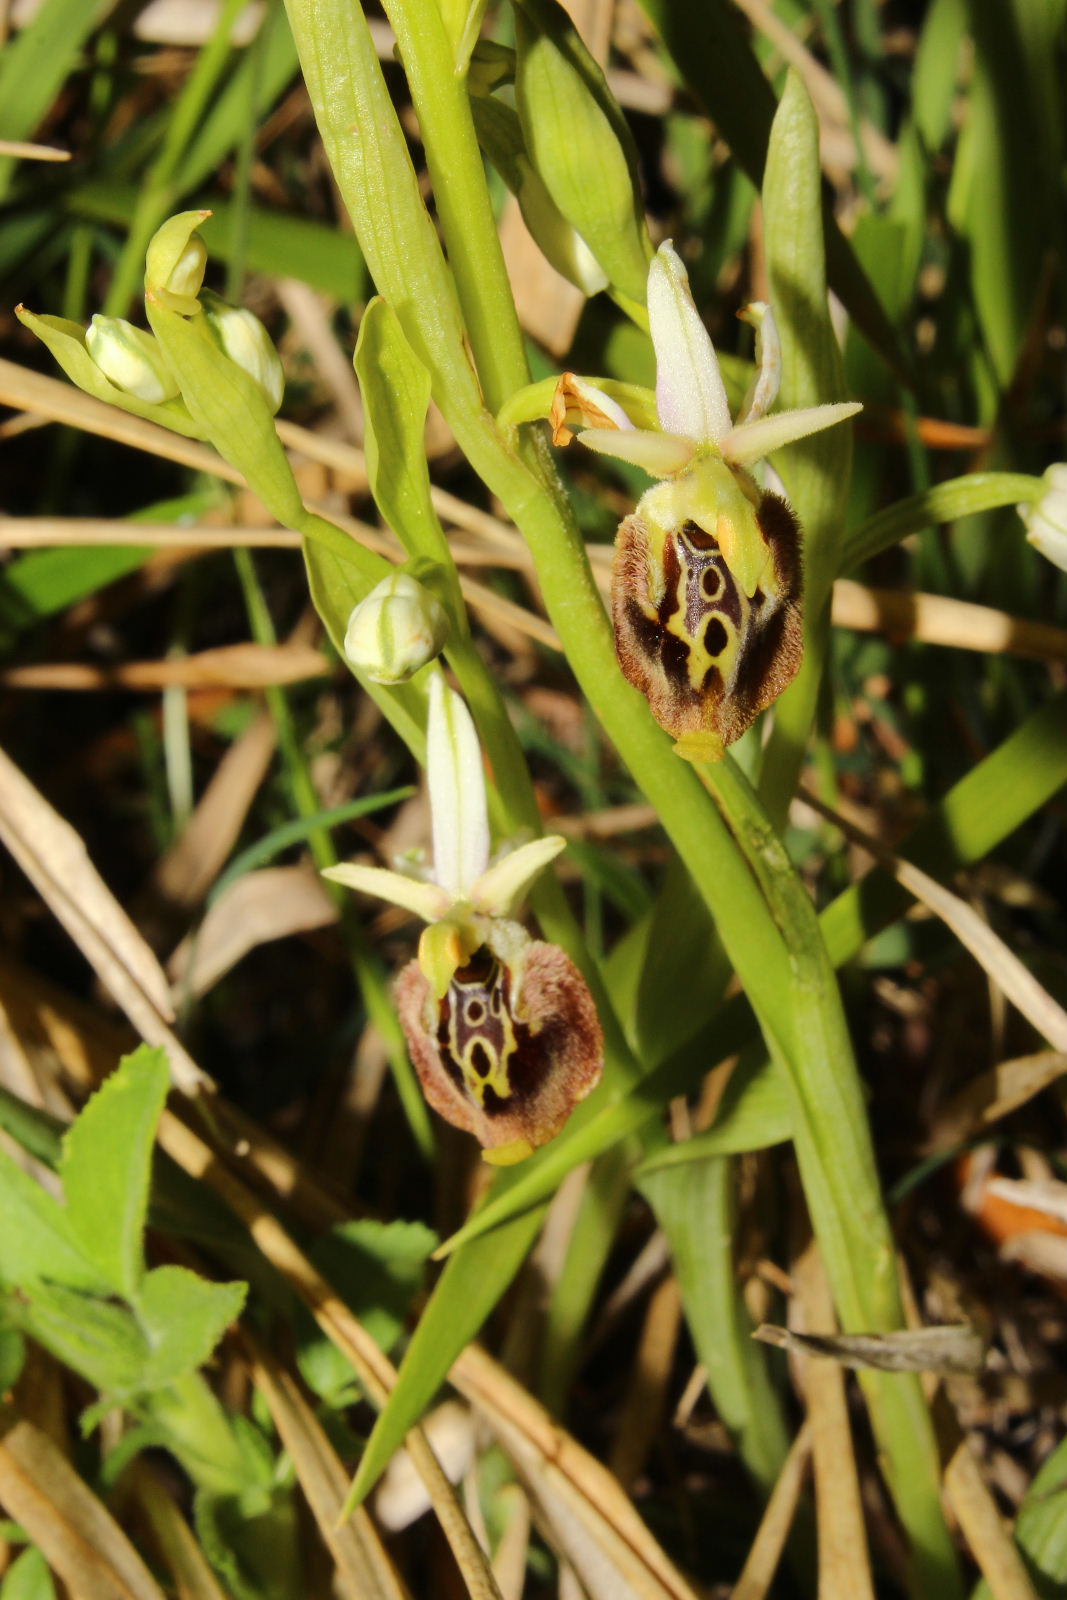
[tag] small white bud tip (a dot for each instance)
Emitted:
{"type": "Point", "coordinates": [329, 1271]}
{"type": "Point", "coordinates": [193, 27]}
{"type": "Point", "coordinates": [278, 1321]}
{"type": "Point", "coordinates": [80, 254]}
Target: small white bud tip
{"type": "Point", "coordinates": [1046, 519]}
{"type": "Point", "coordinates": [399, 628]}
{"type": "Point", "coordinates": [130, 358]}
{"type": "Point", "coordinates": [248, 344]}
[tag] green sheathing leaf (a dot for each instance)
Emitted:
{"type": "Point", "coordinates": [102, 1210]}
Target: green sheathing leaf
{"type": "Point", "coordinates": [107, 1164]}
{"type": "Point", "coordinates": [183, 1317]}
{"type": "Point", "coordinates": [694, 1207]}
{"type": "Point", "coordinates": [815, 470]}
{"type": "Point", "coordinates": [754, 1113]}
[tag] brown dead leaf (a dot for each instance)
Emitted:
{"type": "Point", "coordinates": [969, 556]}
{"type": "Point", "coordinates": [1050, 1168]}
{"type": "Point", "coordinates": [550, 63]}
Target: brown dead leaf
{"type": "Point", "coordinates": [269, 904]}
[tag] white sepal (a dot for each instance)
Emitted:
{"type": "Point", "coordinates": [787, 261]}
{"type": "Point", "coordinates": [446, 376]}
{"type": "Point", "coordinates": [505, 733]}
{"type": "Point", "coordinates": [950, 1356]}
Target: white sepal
{"type": "Point", "coordinates": [750, 441]}
{"type": "Point", "coordinates": [690, 395]}
{"type": "Point", "coordinates": [457, 793]}
{"type": "Point", "coordinates": [504, 884]}
{"type": "Point", "coordinates": [661, 454]}
{"type": "Point", "coordinates": [426, 900]}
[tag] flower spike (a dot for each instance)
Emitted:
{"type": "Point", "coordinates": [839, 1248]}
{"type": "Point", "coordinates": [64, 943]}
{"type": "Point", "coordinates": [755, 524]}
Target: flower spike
{"type": "Point", "coordinates": [501, 1028]}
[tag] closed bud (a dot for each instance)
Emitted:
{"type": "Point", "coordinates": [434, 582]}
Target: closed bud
{"type": "Point", "coordinates": [398, 629]}
{"type": "Point", "coordinates": [176, 261]}
{"type": "Point", "coordinates": [130, 358]}
{"type": "Point", "coordinates": [246, 341]}
{"type": "Point", "coordinates": [1046, 519]}
{"type": "Point", "coordinates": [579, 144]}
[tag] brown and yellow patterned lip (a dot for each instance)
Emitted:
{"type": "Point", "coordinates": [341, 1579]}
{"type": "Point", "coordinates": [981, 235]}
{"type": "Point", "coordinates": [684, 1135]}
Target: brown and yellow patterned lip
{"type": "Point", "coordinates": [510, 1050]}
{"type": "Point", "coordinates": [706, 656]}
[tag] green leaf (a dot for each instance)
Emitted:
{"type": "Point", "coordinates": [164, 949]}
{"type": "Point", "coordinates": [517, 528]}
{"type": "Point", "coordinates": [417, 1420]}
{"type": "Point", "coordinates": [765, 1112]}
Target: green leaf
{"type": "Point", "coordinates": [107, 1165]}
{"type": "Point", "coordinates": [97, 1338]}
{"type": "Point", "coordinates": [466, 1292]}
{"type": "Point", "coordinates": [34, 64]}
{"type": "Point", "coordinates": [816, 470]}
{"type": "Point", "coordinates": [579, 143]}
{"type": "Point", "coordinates": [28, 1578]}
{"type": "Point", "coordinates": [396, 395]}
{"type": "Point", "coordinates": [695, 1209]}
{"type": "Point", "coordinates": [230, 409]}
{"type": "Point", "coordinates": [754, 1112]}
{"type": "Point", "coordinates": [1041, 1530]}
{"type": "Point", "coordinates": [183, 1317]}
{"type": "Point", "coordinates": [36, 1241]}
{"type": "Point", "coordinates": [377, 1268]}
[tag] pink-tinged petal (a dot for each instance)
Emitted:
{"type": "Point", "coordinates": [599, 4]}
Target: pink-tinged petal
{"type": "Point", "coordinates": [690, 395]}
{"type": "Point", "coordinates": [750, 441]}
{"type": "Point", "coordinates": [764, 391]}
{"type": "Point", "coordinates": [457, 792]}
{"type": "Point", "coordinates": [661, 454]}
{"type": "Point", "coordinates": [578, 400]}
{"type": "Point", "coordinates": [426, 900]}
{"type": "Point", "coordinates": [510, 1050]}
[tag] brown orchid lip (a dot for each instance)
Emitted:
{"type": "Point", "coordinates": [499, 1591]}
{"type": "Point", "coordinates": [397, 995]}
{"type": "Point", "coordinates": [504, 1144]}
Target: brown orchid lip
{"type": "Point", "coordinates": [510, 1050]}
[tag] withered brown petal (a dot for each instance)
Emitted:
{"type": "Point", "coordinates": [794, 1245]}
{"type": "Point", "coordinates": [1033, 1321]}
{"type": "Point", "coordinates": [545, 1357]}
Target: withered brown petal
{"type": "Point", "coordinates": [707, 658]}
{"type": "Point", "coordinates": [530, 1062]}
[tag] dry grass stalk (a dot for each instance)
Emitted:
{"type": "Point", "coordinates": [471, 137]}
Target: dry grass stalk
{"type": "Point", "coordinates": [844, 1561]}
{"type": "Point", "coordinates": [991, 1544]}
{"type": "Point", "coordinates": [765, 1553]}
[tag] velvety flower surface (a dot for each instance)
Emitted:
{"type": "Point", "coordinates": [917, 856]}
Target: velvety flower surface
{"type": "Point", "coordinates": [706, 587]}
{"type": "Point", "coordinates": [501, 1028]}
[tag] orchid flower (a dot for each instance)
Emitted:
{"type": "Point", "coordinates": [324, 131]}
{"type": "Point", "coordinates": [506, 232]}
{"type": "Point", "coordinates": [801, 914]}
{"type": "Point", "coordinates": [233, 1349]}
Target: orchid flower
{"type": "Point", "coordinates": [706, 586]}
{"type": "Point", "coordinates": [502, 1028]}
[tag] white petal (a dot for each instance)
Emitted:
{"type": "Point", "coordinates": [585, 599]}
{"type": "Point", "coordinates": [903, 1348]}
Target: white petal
{"type": "Point", "coordinates": [457, 792]}
{"type": "Point", "coordinates": [426, 900]}
{"type": "Point", "coordinates": [689, 389]}
{"type": "Point", "coordinates": [661, 454]}
{"type": "Point", "coordinates": [507, 880]}
{"type": "Point", "coordinates": [752, 440]}
{"type": "Point", "coordinates": [764, 391]}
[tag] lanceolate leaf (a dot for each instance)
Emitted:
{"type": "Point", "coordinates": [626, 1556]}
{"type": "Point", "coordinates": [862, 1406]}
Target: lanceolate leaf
{"type": "Point", "coordinates": [106, 1167]}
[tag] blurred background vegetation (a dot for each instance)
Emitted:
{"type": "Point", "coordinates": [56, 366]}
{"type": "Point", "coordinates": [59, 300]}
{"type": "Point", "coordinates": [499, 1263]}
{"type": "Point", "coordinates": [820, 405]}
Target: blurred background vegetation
{"type": "Point", "coordinates": [172, 696]}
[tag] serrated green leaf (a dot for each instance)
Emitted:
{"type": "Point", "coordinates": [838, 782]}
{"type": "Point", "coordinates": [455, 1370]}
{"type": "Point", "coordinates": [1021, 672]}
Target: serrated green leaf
{"type": "Point", "coordinates": [36, 1240]}
{"type": "Point", "coordinates": [183, 1317]}
{"type": "Point", "coordinates": [107, 1164]}
{"type": "Point", "coordinates": [97, 1338]}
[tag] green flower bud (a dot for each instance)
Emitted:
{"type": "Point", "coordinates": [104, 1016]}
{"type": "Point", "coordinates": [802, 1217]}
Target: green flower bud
{"type": "Point", "coordinates": [579, 144]}
{"type": "Point", "coordinates": [396, 630]}
{"type": "Point", "coordinates": [175, 263]}
{"type": "Point", "coordinates": [246, 341]}
{"type": "Point", "coordinates": [130, 358]}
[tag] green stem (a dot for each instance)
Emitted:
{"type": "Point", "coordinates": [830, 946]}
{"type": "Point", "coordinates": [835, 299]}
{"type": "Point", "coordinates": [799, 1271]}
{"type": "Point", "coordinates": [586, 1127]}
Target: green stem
{"type": "Point", "coordinates": [462, 195]}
